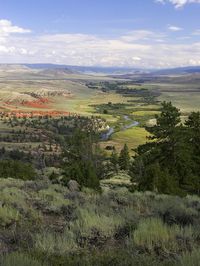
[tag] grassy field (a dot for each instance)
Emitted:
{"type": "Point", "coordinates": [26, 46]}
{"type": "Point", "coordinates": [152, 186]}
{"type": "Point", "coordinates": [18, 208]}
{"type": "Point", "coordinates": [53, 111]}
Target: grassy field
{"type": "Point", "coordinates": [185, 101]}
{"type": "Point", "coordinates": [183, 95]}
{"type": "Point", "coordinates": [17, 88]}
{"type": "Point", "coordinates": [132, 137]}
{"type": "Point", "coordinates": [48, 224]}
{"type": "Point", "coordinates": [81, 101]}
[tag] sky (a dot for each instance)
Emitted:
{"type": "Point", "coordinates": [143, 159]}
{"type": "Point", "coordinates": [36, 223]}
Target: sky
{"type": "Point", "coordinates": [124, 33]}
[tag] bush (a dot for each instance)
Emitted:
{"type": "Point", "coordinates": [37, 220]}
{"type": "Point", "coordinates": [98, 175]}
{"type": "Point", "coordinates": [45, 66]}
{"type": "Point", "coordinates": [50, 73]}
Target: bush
{"type": "Point", "coordinates": [113, 257]}
{"type": "Point", "coordinates": [114, 227]}
{"type": "Point", "coordinates": [8, 216]}
{"type": "Point", "coordinates": [14, 197]}
{"type": "Point", "coordinates": [16, 169]}
{"type": "Point", "coordinates": [174, 211]}
{"type": "Point", "coordinates": [53, 199]}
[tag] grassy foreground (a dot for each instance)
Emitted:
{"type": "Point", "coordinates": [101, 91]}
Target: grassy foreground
{"type": "Point", "coordinates": [46, 224]}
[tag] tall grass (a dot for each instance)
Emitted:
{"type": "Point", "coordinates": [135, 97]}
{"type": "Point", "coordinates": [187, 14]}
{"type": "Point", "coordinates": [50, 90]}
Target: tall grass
{"type": "Point", "coordinates": [89, 219]}
{"type": "Point", "coordinates": [52, 243]}
{"type": "Point", "coordinates": [18, 259]}
{"type": "Point", "coordinates": [53, 198]}
{"type": "Point", "coordinates": [191, 259]}
{"type": "Point", "coordinates": [14, 196]}
{"type": "Point", "coordinates": [109, 227]}
{"type": "Point", "coordinates": [153, 232]}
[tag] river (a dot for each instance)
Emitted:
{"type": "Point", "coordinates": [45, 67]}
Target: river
{"type": "Point", "coordinates": [105, 136]}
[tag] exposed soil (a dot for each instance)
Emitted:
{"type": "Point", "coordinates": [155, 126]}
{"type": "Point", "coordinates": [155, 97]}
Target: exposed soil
{"type": "Point", "coordinates": [39, 103]}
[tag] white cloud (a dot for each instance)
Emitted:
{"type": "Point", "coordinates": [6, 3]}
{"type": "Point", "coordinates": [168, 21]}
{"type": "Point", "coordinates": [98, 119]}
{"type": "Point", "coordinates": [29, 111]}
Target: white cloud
{"type": "Point", "coordinates": [140, 48]}
{"type": "Point", "coordinates": [141, 35]}
{"type": "Point", "coordinates": [178, 3]}
{"type": "Point", "coordinates": [7, 28]}
{"type": "Point", "coordinates": [174, 28]}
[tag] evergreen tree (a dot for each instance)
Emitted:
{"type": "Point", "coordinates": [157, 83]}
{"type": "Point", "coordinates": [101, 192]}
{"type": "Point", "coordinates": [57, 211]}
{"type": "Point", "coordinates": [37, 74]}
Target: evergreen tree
{"type": "Point", "coordinates": [124, 158]}
{"type": "Point", "coordinates": [83, 160]}
{"type": "Point", "coordinates": [171, 163]}
{"type": "Point", "coordinates": [92, 180]}
{"type": "Point", "coordinates": [193, 123]}
{"type": "Point", "coordinates": [16, 169]}
{"type": "Point", "coordinates": [166, 121]}
{"type": "Point", "coordinates": [114, 159]}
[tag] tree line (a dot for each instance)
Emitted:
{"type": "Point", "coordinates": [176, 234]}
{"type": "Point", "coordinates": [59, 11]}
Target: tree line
{"type": "Point", "coordinates": [170, 161]}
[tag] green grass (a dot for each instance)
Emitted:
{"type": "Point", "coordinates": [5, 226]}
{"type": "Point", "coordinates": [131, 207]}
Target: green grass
{"type": "Point", "coordinates": [8, 216]}
{"type": "Point", "coordinates": [115, 221]}
{"type": "Point", "coordinates": [144, 113]}
{"type": "Point", "coordinates": [52, 243]}
{"type": "Point", "coordinates": [54, 200]}
{"type": "Point", "coordinates": [90, 219]}
{"type": "Point", "coordinates": [190, 258]}
{"type": "Point", "coordinates": [132, 137]}
{"type": "Point", "coordinates": [83, 100]}
{"type": "Point", "coordinates": [19, 259]}
{"type": "Point", "coordinates": [153, 232]}
{"type": "Point", "coordinates": [187, 102]}
{"type": "Point", "coordinates": [118, 180]}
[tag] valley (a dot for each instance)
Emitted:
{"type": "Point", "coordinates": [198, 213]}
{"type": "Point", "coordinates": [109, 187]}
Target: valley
{"type": "Point", "coordinates": [100, 133]}
{"type": "Point", "coordinates": [28, 92]}
{"type": "Point", "coordinates": [86, 168]}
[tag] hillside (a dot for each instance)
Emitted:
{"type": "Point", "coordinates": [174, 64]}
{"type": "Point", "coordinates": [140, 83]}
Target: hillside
{"type": "Point", "coordinates": [45, 224]}
{"type": "Point", "coordinates": [75, 149]}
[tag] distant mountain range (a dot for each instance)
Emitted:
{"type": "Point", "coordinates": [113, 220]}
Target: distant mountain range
{"type": "Point", "coordinates": [178, 70]}
{"type": "Point", "coordinates": [68, 69]}
{"type": "Point", "coordinates": [86, 69]}
{"type": "Point", "coordinates": [119, 70]}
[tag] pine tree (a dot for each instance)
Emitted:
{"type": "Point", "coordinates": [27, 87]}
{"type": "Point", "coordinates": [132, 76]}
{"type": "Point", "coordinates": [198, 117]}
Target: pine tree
{"type": "Point", "coordinates": [166, 122]}
{"type": "Point", "coordinates": [114, 159]}
{"type": "Point", "coordinates": [171, 163]}
{"type": "Point", "coordinates": [124, 158]}
{"type": "Point", "coordinates": [82, 160]}
{"type": "Point", "coordinates": [91, 179]}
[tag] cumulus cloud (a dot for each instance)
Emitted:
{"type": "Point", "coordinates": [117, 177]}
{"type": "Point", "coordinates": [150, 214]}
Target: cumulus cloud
{"type": "Point", "coordinates": [139, 48]}
{"type": "Point", "coordinates": [179, 3]}
{"type": "Point", "coordinates": [7, 28]}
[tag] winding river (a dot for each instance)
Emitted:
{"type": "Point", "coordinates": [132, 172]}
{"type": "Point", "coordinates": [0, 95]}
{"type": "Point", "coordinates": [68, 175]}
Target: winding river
{"type": "Point", "coordinates": [105, 136]}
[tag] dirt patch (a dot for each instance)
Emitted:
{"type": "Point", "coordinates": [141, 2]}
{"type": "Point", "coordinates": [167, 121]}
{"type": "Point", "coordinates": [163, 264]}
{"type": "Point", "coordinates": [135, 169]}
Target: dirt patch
{"type": "Point", "coordinates": [39, 103]}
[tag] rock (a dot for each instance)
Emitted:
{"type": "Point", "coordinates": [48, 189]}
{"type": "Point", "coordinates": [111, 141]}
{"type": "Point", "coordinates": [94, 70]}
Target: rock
{"type": "Point", "coordinates": [73, 186]}
{"type": "Point", "coordinates": [4, 248]}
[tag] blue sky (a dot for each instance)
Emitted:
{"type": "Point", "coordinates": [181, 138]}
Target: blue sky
{"type": "Point", "coordinates": [138, 33]}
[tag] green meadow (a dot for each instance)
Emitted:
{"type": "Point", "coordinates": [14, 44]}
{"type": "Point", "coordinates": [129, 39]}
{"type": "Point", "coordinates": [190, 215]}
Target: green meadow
{"type": "Point", "coordinates": [110, 105]}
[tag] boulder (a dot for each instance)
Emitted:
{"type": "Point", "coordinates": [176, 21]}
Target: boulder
{"type": "Point", "coordinates": [73, 186]}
